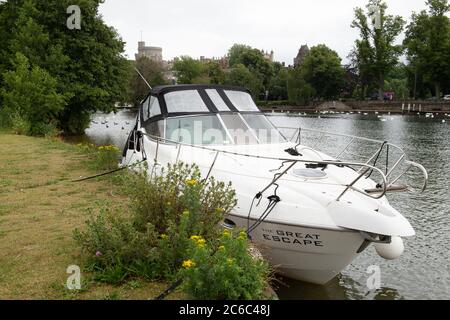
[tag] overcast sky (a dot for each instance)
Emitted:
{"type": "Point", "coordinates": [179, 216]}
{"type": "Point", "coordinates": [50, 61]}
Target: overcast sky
{"type": "Point", "coordinates": [211, 27]}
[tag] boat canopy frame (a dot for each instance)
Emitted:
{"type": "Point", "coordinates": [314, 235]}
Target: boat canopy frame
{"type": "Point", "coordinates": [160, 92]}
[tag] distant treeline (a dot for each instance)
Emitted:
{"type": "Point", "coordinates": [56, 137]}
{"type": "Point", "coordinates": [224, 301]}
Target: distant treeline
{"type": "Point", "coordinates": [52, 78]}
{"type": "Point", "coordinates": [375, 67]}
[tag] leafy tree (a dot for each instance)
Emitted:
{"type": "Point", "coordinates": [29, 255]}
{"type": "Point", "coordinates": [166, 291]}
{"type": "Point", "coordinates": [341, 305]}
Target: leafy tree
{"type": "Point", "coordinates": [323, 71]}
{"type": "Point", "coordinates": [299, 91]}
{"type": "Point", "coordinates": [397, 81]}
{"type": "Point", "coordinates": [152, 71]}
{"type": "Point", "coordinates": [428, 45]}
{"type": "Point", "coordinates": [215, 72]}
{"type": "Point", "coordinates": [278, 83]}
{"type": "Point", "coordinates": [376, 53]}
{"type": "Point", "coordinates": [239, 75]}
{"type": "Point", "coordinates": [30, 93]}
{"type": "Point", "coordinates": [350, 86]}
{"type": "Point", "coordinates": [254, 60]}
{"type": "Point", "coordinates": [235, 53]}
{"type": "Point", "coordinates": [188, 69]}
{"type": "Point", "coordinates": [87, 64]}
{"type": "Point", "coordinates": [360, 58]}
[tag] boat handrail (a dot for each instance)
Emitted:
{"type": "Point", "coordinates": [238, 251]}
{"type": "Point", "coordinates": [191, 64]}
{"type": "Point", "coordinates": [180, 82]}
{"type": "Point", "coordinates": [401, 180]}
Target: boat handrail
{"type": "Point", "coordinates": [402, 158]}
{"type": "Point", "coordinates": [368, 167]}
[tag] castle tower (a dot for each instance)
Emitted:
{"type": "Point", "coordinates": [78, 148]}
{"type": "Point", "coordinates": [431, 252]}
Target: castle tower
{"type": "Point", "coordinates": [302, 53]}
{"type": "Point", "coordinates": [153, 53]}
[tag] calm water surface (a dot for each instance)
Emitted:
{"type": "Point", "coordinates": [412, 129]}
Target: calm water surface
{"type": "Point", "coordinates": [423, 271]}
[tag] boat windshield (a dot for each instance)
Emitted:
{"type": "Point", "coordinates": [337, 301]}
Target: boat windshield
{"type": "Point", "coordinates": [222, 129]}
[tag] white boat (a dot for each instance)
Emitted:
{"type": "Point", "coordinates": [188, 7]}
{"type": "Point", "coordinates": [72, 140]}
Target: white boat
{"type": "Point", "coordinates": [309, 213]}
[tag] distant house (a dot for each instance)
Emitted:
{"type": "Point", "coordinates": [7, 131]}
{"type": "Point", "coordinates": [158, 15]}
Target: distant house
{"type": "Point", "coordinates": [302, 53]}
{"type": "Point", "coordinates": [223, 61]}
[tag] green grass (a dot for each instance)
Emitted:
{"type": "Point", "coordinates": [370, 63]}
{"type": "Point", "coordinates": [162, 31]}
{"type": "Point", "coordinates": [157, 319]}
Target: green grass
{"type": "Point", "coordinates": [39, 209]}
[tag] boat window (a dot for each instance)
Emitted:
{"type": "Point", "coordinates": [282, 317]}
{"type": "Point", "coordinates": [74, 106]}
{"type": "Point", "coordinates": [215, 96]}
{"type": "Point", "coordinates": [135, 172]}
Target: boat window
{"type": "Point", "coordinates": [185, 101]}
{"type": "Point", "coordinates": [197, 130]}
{"type": "Point", "coordinates": [263, 128]}
{"type": "Point", "coordinates": [154, 109]}
{"type": "Point", "coordinates": [241, 100]}
{"type": "Point", "coordinates": [238, 130]}
{"type": "Point", "coordinates": [145, 108]}
{"type": "Point", "coordinates": [155, 128]}
{"type": "Point", "coordinates": [217, 100]}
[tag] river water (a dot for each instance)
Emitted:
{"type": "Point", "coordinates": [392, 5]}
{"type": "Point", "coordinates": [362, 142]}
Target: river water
{"type": "Point", "coordinates": [423, 271]}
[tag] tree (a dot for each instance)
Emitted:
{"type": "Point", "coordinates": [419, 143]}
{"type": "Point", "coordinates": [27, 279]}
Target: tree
{"type": "Point", "coordinates": [397, 81]}
{"type": "Point", "coordinates": [30, 94]}
{"type": "Point", "coordinates": [253, 60]}
{"type": "Point", "coordinates": [428, 45]}
{"type": "Point", "coordinates": [235, 53]}
{"type": "Point", "coordinates": [299, 91]}
{"type": "Point", "coordinates": [376, 53]}
{"type": "Point", "coordinates": [152, 71]}
{"type": "Point", "coordinates": [215, 72]}
{"type": "Point", "coordinates": [239, 75]}
{"type": "Point", "coordinates": [350, 85]}
{"type": "Point", "coordinates": [87, 64]}
{"type": "Point", "coordinates": [323, 71]}
{"type": "Point", "coordinates": [278, 83]}
{"type": "Point", "coordinates": [188, 70]}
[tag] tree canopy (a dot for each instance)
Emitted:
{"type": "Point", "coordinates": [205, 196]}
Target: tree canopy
{"type": "Point", "coordinates": [188, 70]}
{"type": "Point", "coordinates": [86, 65]}
{"type": "Point", "coordinates": [152, 71]}
{"type": "Point", "coordinates": [254, 60]}
{"type": "Point", "coordinates": [239, 75]}
{"type": "Point", "coordinates": [427, 43]}
{"type": "Point", "coordinates": [323, 71]}
{"type": "Point", "coordinates": [376, 52]}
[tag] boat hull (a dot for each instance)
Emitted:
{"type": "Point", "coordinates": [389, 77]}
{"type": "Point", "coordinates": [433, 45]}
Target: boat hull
{"type": "Point", "coordinates": [303, 253]}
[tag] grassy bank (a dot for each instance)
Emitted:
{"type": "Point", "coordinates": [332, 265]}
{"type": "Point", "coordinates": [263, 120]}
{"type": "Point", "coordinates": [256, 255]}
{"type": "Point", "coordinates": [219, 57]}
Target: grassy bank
{"type": "Point", "coordinates": [39, 209]}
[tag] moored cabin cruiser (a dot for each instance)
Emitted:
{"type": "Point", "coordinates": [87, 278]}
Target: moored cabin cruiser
{"type": "Point", "coordinates": [309, 213]}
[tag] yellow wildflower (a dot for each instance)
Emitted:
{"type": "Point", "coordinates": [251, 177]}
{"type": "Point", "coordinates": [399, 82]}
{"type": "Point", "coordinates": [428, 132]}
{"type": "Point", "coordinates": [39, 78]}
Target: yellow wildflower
{"type": "Point", "coordinates": [195, 238]}
{"type": "Point", "coordinates": [185, 212]}
{"type": "Point", "coordinates": [242, 235]}
{"type": "Point", "coordinates": [221, 248]}
{"type": "Point", "coordinates": [201, 243]}
{"type": "Point", "coordinates": [191, 182]}
{"type": "Point", "coordinates": [230, 261]}
{"type": "Point", "coordinates": [226, 232]}
{"type": "Point", "coordinates": [164, 236]}
{"type": "Point", "coordinates": [188, 264]}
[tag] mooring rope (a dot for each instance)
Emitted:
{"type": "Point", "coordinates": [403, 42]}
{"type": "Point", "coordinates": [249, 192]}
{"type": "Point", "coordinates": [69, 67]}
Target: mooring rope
{"type": "Point", "coordinates": [109, 172]}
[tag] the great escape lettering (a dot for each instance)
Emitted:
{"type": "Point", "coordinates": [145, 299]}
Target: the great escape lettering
{"type": "Point", "coordinates": [305, 239]}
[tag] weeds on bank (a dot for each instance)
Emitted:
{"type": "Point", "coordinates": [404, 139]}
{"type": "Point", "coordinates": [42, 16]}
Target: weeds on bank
{"type": "Point", "coordinates": [173, 232]}
{"type": "Point", "coordinates": [104, 157]}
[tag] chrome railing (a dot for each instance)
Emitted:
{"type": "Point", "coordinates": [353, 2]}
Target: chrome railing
{"type": "Point", "coordinates": [380, 147]}
{"type": "Point", "coordinates": [383, 186]}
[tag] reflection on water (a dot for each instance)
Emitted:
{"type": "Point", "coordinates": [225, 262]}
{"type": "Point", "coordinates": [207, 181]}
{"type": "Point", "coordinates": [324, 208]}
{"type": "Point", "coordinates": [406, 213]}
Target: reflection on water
{"type": "Point", "coordinates": [423, 272]}
{"type": "Point", "coordinates": [109, 129]}
{"type": "Point", "coordinates": [341, 287]}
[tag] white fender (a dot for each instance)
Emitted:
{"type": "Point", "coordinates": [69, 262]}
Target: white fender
{"type": "Point", "coordinates": [390, 251]}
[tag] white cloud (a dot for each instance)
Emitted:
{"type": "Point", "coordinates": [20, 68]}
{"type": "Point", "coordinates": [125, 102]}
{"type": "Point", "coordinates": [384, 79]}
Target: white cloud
{"type": "Point", "coordinates": [209, 28]}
